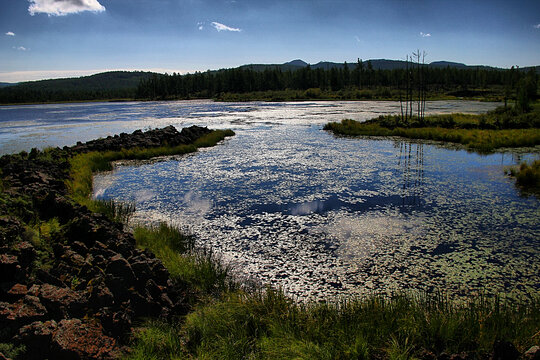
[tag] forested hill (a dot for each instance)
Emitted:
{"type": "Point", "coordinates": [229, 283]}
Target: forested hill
{"type": "Point", "coordinates": [103, 86]}
{"type": "Point", "coordinates": [372, 79]}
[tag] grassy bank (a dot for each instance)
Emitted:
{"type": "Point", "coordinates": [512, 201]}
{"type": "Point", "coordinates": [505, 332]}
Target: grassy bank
{"type": "Point", "coordinates": [265, 324]}
{"type": "Point", "coordinates": [197, 267]}
{"type": "Point", "coordinates": [483, 133]}
{"type": "Point", "coordinates": [82, 166]}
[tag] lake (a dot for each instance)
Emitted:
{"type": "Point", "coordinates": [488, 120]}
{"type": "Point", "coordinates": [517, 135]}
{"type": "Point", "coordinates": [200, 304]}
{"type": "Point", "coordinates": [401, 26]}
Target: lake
{"type": "Point", "coordinates": [287, 204]}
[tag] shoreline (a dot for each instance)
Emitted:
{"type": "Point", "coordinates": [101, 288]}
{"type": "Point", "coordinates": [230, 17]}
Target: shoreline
{"type": "Point", "coordinates": [257, 99]}
{"type": "Point", "coordinates": [84, 283]}
{"type": "Point", "coordinates": [73, 281]}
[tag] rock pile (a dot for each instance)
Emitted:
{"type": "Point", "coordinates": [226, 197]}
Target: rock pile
{"type": "Point", "coordinates": [152, 138]}
{"type": "Point", "coordinates": [76, 294]}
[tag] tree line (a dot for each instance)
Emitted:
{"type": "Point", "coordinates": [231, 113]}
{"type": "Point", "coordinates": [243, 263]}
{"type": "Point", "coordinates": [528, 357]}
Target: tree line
{"type": "Point", "coordinates": [361, 75]}
{"type": "Point", "coordinates": [351, 81]}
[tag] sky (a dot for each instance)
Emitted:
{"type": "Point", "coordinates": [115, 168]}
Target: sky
{"type": "Point", "coordinates": [42, 39]}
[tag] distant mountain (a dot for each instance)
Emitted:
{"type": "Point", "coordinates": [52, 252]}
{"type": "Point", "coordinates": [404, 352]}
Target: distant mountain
{"type": "Point", "coordinates": [297, 62]}
{"type": "Point", "coordinates": [292, 65]}
{"type": "Point", "coordinates": [444, 64]}
{"type": "Point", "coordinates": [3, 84]}
{"type": "Point", "coordinates": [377, 64]}
{"type": "Point", "coordinates": [112, 80]}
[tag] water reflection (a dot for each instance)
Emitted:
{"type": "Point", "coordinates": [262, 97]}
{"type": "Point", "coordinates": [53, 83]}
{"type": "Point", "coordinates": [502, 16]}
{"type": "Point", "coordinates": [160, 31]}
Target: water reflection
{"type": "Point", "coordinates": [320, 216]}
{"type": "Point", "coordinates": [411, 165]}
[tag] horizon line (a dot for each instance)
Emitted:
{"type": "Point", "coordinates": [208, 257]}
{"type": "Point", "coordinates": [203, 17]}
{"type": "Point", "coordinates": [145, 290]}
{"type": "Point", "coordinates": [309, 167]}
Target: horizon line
{"type": "Point", "coordinates": [15, 77]}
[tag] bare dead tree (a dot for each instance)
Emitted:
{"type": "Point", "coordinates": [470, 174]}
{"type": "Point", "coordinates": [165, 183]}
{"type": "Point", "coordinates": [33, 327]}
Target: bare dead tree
{"type": "Point", "coordinates": [415, 88]}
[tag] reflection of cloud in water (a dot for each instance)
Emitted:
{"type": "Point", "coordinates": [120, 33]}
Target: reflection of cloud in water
{"type": "Point", "coordinates": [144, 195]}
{"type": "Point", "coordinates": [308, 208]}
{"type": "Point", "coordinates": [195, 205]}
{"type": "Point", "coordinates": [362, 236]}
{"type": "Point", "coordinates": [102, 183]}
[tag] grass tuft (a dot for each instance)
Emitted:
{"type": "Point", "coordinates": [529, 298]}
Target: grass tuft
{"type": "Point", "coordinates": [528, 177]}
{"type": "Point", "coordinates": [199, 268]}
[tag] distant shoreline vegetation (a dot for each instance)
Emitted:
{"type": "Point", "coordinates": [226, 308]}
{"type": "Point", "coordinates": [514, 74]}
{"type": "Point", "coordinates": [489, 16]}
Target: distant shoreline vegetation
{"type": "Point", "coordinates": [359, 81]}
{"type": "Point", "coordinates": [501, 128]}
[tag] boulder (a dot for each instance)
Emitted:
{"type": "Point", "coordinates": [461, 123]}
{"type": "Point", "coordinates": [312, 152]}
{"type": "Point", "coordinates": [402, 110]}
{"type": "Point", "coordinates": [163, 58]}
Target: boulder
{"type": "Point", "coordinates": [26, 253]}
{"type": "Point", "coordinates": [533, 353]}
{"type": "Point", "coordinates": [504, 350]}
{"type": "Point", "coordinates": [62, 301]}
{"type": "Point", "coordinates": [77, 339]}
{"type": "Point", "coordinates": [10, 230]}
{"type": "Point", "coordinates": [119, 267]}
{"type": "Point", "coordinates": [37, 338]}
{"type": "Point", "coordinates": [21, 312]}
{"type": "Point", "coordinates": [9, 267]}
{"type": "Point", "coordinates": [17, 291]}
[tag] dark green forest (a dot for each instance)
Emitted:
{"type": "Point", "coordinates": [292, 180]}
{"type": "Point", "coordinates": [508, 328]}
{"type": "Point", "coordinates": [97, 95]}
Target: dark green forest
{"type": "Point", "coordinates": [103, 86]}
{"type": "Point", "coordinates": [352, 82]}
{"type": "Point", "coordinates": [324, 81]}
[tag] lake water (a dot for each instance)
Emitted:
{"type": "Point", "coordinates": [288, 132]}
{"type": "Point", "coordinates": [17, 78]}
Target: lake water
{"type": "Point", "coordinates": [288, 204]}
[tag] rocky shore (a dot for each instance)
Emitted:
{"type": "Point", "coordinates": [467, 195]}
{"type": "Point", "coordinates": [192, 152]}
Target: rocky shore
{"type": "Point", "coordinates": [72, 282]}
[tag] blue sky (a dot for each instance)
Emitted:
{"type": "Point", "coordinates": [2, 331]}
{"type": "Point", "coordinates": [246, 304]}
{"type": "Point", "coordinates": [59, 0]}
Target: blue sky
{"type": "Point", "coordinates": [59, 38]}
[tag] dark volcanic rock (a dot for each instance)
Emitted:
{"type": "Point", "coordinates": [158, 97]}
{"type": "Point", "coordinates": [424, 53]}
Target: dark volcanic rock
{"type": "Point", "coordinates": [504, 350]}
{"type": "Point", "coordinates": [64, 301]}
{"type": "Point", "coordinates": [533, 353]}
{"type": "Point", "coordinates": [75, 339]}
{"type": "Point", "coordinates": [21, 312]}
{"type": "Point", "coordinates": [37, 338]}
{"type": "Point", "coordinates": [10, 230]}
{"type": "Point", "coordinates": [153, 138]}
{"type": "Point", "coordinates": [75, 293]}
{"type": "Point", "coordinates": [9, 267]}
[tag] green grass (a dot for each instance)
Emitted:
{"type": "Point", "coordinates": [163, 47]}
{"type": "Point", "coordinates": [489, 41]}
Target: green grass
{"type": "Point", "coordinates": [156, 340]}
{"type": "Point", "coordinates": [457, 128]}
{"type": "Point", "coordinates": [268, 325]}
{"type": "Point", "coordinates": [528, 177]}
{"type": "Point", "coordinates": [200, 269]}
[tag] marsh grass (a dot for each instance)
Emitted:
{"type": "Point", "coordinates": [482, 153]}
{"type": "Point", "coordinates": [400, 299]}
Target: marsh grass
{"type": "Point", "coordinates": [198, 267]}
{"type": "Point", "coordinates": [528, 177]}
{"type": "Point", "coordinates": [268, 325]}
{"type": "Point", "coordinates": [481, 140]}
{"type": "Point", "coordinates": [115, 210]}
{"type": "Point", "coordinates": [156, 340]}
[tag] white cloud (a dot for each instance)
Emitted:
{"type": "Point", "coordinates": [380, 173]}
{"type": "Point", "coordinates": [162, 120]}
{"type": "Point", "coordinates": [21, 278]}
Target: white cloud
{"type": "Point", "coordinates": [200, 25]}
{"type": "Point", "coordinates": [537, 26]}
{"type": "Point", "coordinates": [222, 27]}
{"type": "Point", "coordinates": [425, 34]}
{"type": "Point", "coordinates": [10, 33]}
{"type": "Point", "coordinates": [20, 48]}
{"type": "Point", "coordinates": [63, 7]}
